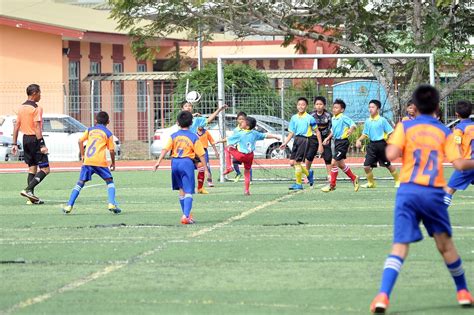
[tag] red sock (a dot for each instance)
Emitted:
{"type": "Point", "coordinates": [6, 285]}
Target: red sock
{"type": "Point", "coordinates": [247, 180]}
{"type": "Point", "coordinates": [200, 177]}
{"type": "Point", "coordinates": [228, 162]}
{"type": "Point", "coordinates": [334, 172]}
{"type": "Point", "coordinates": [349, 173]}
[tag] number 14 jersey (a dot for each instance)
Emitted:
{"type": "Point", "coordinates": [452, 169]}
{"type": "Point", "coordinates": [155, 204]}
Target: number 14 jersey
{"type": "Point", "coordinates": [99, 138]}
{"type": "Point", "coordinates": [425, 143]}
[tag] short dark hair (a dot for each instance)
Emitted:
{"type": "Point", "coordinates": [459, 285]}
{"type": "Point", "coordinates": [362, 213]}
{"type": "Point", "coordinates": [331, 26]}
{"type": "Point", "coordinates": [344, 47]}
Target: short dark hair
{"type": "Point", "coordinates": [241, 114]}
{"type": "Point", "coordinates": [251, 122]}
{"type": "Point", "coordinates": [377, 103]}
{"type": "Point", "coordinates": [102, 118]}
{"type": "Point", "coordinates": [32, 89]}
{"type": "Point", "coordinates": [410, 102]}
{"type": "Point", "coordinates": [185, 119]}
{"type": "Point", "coordinates": [183, 103]}
{"type": "Point", "coordinates": [303, 99]}
{"type": "Point", "coordinates": [320, 98]}
{"type": "Point", "coordinates": [463, 108]}
{"type": "Point", "coordinates": [426, 99]}
{"type": "Point", "coordinates": [340, 102]}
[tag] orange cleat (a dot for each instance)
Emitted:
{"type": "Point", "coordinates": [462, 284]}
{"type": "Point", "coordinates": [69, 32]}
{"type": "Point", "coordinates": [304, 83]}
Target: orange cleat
{"type": "Point", "coordinates": [380, 304]}
{"type": "Point", "coordinates": [187, 220]}
{"type": "Point", "coordinates": [465, 298]}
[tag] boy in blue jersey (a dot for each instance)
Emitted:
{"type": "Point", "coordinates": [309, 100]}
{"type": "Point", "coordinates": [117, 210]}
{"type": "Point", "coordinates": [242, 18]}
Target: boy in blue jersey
{"type": "Point", "coordinates": [99, 139]}
{"type": "Point", "coordinates": [376, 129]}
{"type": "Point", "coordinates": [464, 138]}
{"type": "Point", "coordinates": [241, 116]}
{"type": "Point", "coordinates": [245, 145]}
{"type": "Point", "coordinates": [200, 122]}
{"type": "Point", "coordinates": [342, 127]}
{"type": "Point", "coordinates": [423, 144]}
{"type": "Point", "coordinates": [185, 147]}
{"type": "Point", "coordinates": [302, 126]}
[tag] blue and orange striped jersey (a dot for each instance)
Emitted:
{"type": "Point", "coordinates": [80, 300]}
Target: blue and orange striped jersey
{"type": "Point", "coordinates": [184, 144]}
{"type": "Point", "coordinates": [302, 125]}
{"type": "Point", "coordinates": [425, 143]}
{"type": "Point", "coordinates": [99, 138]}
{"type": "Point", "coordinates": [464, 136]}
{"type": "Point", "coordinates": [408, 117]}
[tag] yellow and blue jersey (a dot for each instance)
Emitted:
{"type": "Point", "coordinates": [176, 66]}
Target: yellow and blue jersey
{"type": "Point", "coordinates": [245, 140]}
{"type": "Point", "coordinates": [198, 122]}
{"type": "Point", "coordinates": [340, 126]}
{"type": "Point", "coordinates": [99, 138]}
{"type": "Point", "coordinates": [425, 142]}
{"type": "Point", "coordinates": [377, 128]}
{"type": "Point", "coordinates": [184, 144]}
{"type": "Point", "coordinates": [464, 137]}
{"type": "Point", "coordinates": [302, 125]}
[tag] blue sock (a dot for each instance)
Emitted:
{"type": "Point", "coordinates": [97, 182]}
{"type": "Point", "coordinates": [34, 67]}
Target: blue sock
{"type": "Point", "coordinates": [111, 192]}
{"type": "Point", "coordinates": [457, 272]}
{"type": "Point", "coordinates": [188, 204]}
{"type": "Point", "coordinates": [75, 193]}
{"type": "Point", "coordinates": [181, 202]}
{"type": "Point", "coordinates": [447, 199]}
{"type": "Point", "coordinates": [251, 175]}
{"type": "Point", "coordinates": [237, 169]}
{"type": "Point", "coordinates": [391, 269]}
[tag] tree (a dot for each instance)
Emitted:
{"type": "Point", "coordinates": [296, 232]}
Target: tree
{"type": "Point", "coordinates": [356, 26]}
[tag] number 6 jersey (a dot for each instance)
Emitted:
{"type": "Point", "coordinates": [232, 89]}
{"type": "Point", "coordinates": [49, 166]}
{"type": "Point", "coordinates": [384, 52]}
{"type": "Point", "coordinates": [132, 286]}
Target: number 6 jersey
{"type": "Point", "coordinates": [99, 138]}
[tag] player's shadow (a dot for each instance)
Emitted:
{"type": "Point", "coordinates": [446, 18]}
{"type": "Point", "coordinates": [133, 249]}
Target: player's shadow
{"type": "Point", "coordinates": [441, 309]}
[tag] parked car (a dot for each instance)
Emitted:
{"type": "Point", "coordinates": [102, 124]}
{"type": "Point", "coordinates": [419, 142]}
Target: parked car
{"type": "Point", "coordinates": [61, 134]}
{"type": "Point", "coordinates": [454, 123]}
{"type": "Point", "coordinates": [273, 121]}
{"type": "Point", "coordinates": [6, 144]}
{"type": "Point", "coordinates": [266, 149]}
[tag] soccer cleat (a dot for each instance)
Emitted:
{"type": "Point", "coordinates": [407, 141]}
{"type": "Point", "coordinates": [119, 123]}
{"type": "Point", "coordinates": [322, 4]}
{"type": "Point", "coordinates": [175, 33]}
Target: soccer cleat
{"type": "Point", "coordinates": [228, 171]}
{"type": "Point", "coordinates": [397, 184]}
{"type": "Point", "coordinates": [114, 209]}
{"type": "Point", "coordinates": [296, 187]}
{"type": "Point", "coordinates": [380, 304]}
{"type": "Point", "coordinates": [465, 298]}
{"type": "Point", "coordinates": [39, 202]}
{"type": "Point", "coordinates": [368, 185]}
{"type": "Point", "coordinates": [356, 184]}
{"type": "Point", "coordinates": [67, 209]}
{"type": "Point", "coordinates": [247, 193]}
{"type": "Point", "coordinates": [210, 183]}
{"type": "Point", "coordinates": [328, 188]}
{"type": "Point", "coordinates": [311, 178]}
{"type": "Point", "coordinates": [237, 178]}
{"type": "Point", "coordinates": [203, 191]}
{"type": "Point", "coordinates": [187, 220]}
{"type": "Point", "coordinates": [29, 194]}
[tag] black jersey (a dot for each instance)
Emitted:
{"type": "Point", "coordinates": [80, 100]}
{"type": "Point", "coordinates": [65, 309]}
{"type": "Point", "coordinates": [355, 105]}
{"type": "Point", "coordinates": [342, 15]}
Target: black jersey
{"type": "Point", "coordinates": [323, 121]}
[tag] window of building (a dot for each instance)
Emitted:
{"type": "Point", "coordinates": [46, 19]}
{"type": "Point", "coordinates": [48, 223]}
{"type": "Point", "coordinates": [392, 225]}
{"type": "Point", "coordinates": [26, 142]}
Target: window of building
{"type": "Point", "coordinates": [74, 87]}
{"type": "Point", "coordinates": [118, 89]}
{"type": "Point", "coordinates": [95, 69]}
{"type": "Point", "coordinates": [141, 90]}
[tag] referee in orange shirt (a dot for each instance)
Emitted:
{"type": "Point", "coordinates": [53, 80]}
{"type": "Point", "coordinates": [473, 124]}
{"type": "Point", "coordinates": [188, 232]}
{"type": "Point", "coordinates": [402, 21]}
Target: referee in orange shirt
{"type": "Point", "coordinates": [30, 122]}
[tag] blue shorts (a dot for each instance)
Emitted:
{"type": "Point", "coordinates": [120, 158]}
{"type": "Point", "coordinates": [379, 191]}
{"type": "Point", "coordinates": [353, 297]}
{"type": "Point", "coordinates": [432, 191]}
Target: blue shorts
{"type": "Point", "coordinates": [460, 180]}
{"type": "Point", "coordinates": [87, 171]}
{"type": "Point", "coordinates": [182, 175]}
{"type": "Point", "coordinates": [414, 204]}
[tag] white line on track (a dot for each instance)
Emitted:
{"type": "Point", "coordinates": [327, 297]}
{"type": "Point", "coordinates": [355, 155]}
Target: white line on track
{"type": "Point", "coordinates": [111, 268]}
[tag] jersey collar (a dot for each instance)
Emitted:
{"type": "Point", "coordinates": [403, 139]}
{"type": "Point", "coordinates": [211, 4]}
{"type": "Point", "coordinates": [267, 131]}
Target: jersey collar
{"type": "Point", "coordinates": [375, 118]}
{"type": "Point", "coordinates": [339, 115]}
{"type": "Point", "coordinates": [301, 116]}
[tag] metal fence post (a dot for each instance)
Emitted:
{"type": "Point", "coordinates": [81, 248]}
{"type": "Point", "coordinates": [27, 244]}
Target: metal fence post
{"type": "Point", "coordinates": [233, 99]}
{"type": "Point", "coordinates": [65, 100]}
{"type": "Point", "coordinates": [282, 105]}
{"type": "Point", "coordinates": [92, 102]}
{"type": "Point", "coordinates": [149, 129]}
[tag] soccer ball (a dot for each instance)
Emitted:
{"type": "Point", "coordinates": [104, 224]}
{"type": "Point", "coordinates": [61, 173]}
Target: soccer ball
{"type": "Point", "coordinates": [193, 97]}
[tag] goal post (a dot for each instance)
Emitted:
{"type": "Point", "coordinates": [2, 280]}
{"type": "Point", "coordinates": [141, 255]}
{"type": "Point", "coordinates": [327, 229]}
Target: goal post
{"type": "Point", "coordinates": [220, 76]}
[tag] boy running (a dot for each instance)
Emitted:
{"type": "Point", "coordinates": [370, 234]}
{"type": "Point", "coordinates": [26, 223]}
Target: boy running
{"type": "Point", "coordinates": [241, 116]}
{"type": "Point", "coordinates": [302, 126]}
{"type": "Point", "coordinates": [99, 139]}
{"type": "Point", "coordinates": [342, 127]}
{"type": "Point", "coordinates": [423, 144]}
{"type": "Point", "coordinates": [464, 138]}
{"type": "Point", "coordinates": [376, 129]}
{"type": "Point", "coordinates": [206, 138]}
{"type": "Point", "coordinates": [185, 147]}
{"type": "Point", "coordinates": [245, 142]}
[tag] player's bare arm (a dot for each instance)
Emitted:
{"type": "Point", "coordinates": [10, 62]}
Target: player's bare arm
{"type": "Point", "coordinates": [393, 152]}
{"type": "Point", "coordinates": [162, 155]}
{"type": "Point", "coordinates": [112, 160]}
{"type": "Point", "coordinates": [81, 149]}
{"type": "Point", "coordinates": [16, 130]}
{"type": "Point", "coordinates": [328, 138]}
{"type": "Point", "coordinates": [39, 136]}
{"type": "Point", "coordinates": [359, 140]}
{"type": "Point", "coordinates": [351, 130]}
{"type": "Point", "coordinates": [320, 141]}
{"type": "Point", "coordinates": [288, 138]}
{"type": "Point", "coordinates": [214, 115]}
{"type": "Point", "coordinates": [463, 165]}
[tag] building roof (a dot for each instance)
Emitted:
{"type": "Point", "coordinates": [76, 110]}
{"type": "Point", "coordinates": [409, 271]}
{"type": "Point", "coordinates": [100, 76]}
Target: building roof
{"type": "Point", "coordinates": [76, 18]}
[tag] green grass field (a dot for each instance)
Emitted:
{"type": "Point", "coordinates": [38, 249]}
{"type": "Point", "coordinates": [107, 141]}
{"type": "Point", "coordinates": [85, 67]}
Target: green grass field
{"type": "Point", "coordinates": [273, 252]}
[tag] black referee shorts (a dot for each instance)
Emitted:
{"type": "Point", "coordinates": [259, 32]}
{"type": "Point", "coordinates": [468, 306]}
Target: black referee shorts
{"type": "Point", "coordinates": [376, 153]}
{"type": "Point", "coordinates": [313, 150]}
{"type": "Point", "coordinates": [341, 146]}
{"type": "Point", "coordinates": [300, 149]}
{"type": "Point", "coordinates": [32, 152]}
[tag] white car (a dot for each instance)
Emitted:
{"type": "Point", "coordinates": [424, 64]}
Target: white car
{"type": "Point", "coordinates": [264, 149]}
{"type": "Point", "coordinates": [61, 134]}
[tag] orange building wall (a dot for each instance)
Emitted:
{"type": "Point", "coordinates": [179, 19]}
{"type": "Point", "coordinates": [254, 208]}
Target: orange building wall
{"type": "Point", "coordinates": [30, 57]}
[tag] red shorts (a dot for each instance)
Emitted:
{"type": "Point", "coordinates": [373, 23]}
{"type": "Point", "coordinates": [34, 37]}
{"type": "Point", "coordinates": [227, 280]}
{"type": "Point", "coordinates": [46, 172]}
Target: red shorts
{"type": "Point", "coordinates": [246, 158]}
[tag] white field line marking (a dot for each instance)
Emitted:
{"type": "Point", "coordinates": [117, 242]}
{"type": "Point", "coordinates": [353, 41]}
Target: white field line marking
{"type": "Point", "coordinates": [111, 268]}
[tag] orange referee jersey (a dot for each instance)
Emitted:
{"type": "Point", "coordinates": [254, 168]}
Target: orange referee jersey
{"type": "Point", "coordinates": [28, 114]}
{"type": "Point", "coordinates": [99, 139]}
{"type": "Point", "coordinates": [425, 143]}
